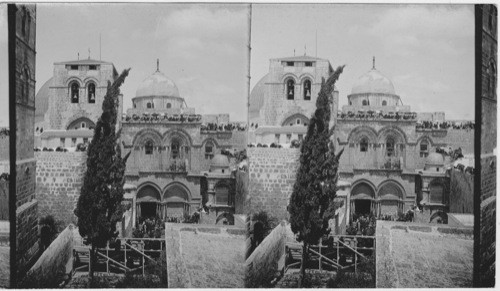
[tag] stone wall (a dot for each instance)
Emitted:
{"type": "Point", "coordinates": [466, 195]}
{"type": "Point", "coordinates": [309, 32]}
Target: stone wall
{"type": "Point", "coordinates": [59, 179]}
{"type": "Point", "coordinates": [461, 192]}
{"type": "Point", "coordinates": [487, 238]}
{"type": "Point", "coordinates": [204, 256]}
{"type": "Point", "coordinates": [53, 263]}
{"type": "Point", "coordinates": [486, 38]}
{"type": "Point", "coordinates": [272, 175]}
{"type": "Point", "coordinates": [4, 147]}
{"type": "Point", "coordinates": [4, 200]}
{"type": "Point", "coordinates": [24, 77]}
{"type": "Point", "coordinates": [262, 264]}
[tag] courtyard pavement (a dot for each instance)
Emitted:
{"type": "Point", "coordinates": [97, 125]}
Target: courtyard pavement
{"type": "Point", "coordinates": [205, 256]}
{"type": "Point", "coordinates": [423, 255]}
{"type": "Point", "coordinates": [4, 266]}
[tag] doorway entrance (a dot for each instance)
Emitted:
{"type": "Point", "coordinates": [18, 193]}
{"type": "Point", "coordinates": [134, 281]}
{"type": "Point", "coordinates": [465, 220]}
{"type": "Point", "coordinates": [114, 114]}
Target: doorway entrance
{"type": "Point", "coordinates": [363, 206]}
{"type": "Point", "coordinates": [148, 209]}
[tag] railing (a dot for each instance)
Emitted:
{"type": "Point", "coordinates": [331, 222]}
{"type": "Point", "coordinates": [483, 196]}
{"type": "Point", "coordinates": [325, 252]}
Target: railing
{"type": "Point", "coordinates": [130, 256]}
{"type": "Point", "coordinates": [339, 252]}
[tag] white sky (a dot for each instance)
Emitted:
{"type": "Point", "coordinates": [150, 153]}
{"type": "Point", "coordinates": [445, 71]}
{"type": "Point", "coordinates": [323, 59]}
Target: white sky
{"type": "Point", "coordinates": [426, 50]}
{"type": "Point", "coordinates": [200, 47]}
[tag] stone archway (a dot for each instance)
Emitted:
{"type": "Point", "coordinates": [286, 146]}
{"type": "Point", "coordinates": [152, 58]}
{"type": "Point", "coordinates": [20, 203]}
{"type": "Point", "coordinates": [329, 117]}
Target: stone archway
{"type": "Point", "coordinates": [176, 200]}
{"type": "Point", "coordinates": [362, 198]}
{"type": "Point", "coordinates": [390, 198]}
{"type": "Point", "coordinates": [148, 200]}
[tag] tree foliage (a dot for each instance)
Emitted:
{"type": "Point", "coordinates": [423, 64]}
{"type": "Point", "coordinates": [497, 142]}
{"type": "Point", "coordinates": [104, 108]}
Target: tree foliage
{"type": "Point", "coordinates": [99, 205]}
{"type": "Point", "coordinates": [312, 201]}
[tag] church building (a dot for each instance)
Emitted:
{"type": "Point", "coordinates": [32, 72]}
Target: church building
{"type": "Point", "coordinates": [393, 158]}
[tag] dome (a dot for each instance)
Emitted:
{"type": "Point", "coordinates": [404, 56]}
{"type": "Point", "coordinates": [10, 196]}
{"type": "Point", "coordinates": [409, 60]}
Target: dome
{"type": "Point", "coordinates": [434, 159]}
{"type": "Point", "coordinates": [219, 161]}
{"type": "Point", "coordinates": [257, 97]}
{"type": "Point", "coordinates": [157, 85]}
{"type": "Point", "coordinates": [42, 101]}
{"type": "Point", "coordinates": [373, 82]}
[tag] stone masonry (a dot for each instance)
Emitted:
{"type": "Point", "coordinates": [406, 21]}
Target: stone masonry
{"type": "Point", "coordinates": [272, 175]}
{"type": "Point", "coordinates": [59, 179]}
{"type": "Point", "coordinates": [26, 212]}
{"type": "Point", "coordinates": [485, 244]}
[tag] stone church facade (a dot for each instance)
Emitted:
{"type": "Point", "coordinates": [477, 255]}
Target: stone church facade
{"type": "Point", "coordinates": [69, 104]}
{"type": "Point", "coordinates": [389, 156]}
{"type": "Point", "coordinates": [175, 156]}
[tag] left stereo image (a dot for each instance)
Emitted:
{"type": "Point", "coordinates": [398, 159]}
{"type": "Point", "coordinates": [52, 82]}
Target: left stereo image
{"type": "Point", "coordinates": [129, 138]}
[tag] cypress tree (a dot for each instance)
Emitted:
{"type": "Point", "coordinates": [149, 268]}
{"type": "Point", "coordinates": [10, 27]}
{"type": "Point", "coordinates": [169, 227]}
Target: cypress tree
{"type": "Point", "coordinates": [311, 203]}
{"type": "Point", "coordinates": [99, 205]}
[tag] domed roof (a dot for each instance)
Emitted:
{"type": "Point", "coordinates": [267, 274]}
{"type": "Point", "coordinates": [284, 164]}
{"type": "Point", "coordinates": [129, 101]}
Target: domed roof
{"type": "Point", "coordinates": [257, 97]}
{"type": "Point", "coordinates": [157, 85]}
{"type": "Point", "coordinates": [42, 101]}
{"type": "Point", "coordinates": [219, 161]}
{"type": "Point", "coordinates": [373, 82]}
{"type": "Point", "coordinates": [434, 159]}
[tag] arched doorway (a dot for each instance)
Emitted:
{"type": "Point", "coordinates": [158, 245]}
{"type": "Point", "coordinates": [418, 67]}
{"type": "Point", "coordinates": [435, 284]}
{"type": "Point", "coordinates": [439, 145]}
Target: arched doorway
{"type": "Point", "coordinates": [222, 195]}
{"type": "Point", "coordinates": [362, 199]}
{"type": "Point", "coordinates": [148, 201]}
{"type": "Point", "coordinates": [176, 201]}
{"type": "Point", "coordinates": [390, 199]}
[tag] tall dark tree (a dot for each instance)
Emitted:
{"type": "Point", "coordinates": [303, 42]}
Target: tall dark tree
{"type": "Point", "coordinates": [99, 205]}
{"type": "Point", "coordinates": [312, 201]}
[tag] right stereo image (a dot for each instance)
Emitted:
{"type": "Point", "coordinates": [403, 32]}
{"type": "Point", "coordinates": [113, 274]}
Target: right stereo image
{"type": "Point", "coordinates": [371, 163]}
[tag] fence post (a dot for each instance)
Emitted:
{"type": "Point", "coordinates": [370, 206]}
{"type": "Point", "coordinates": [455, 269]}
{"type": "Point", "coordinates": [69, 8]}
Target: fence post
{"type": "Point", "coordinates": [107, 257]}
{"type": "Point", "coordinates": [338, 254]}
{"type": "Point", "coordinates": [125, 246]}
{"type": "Point", "coordinates": [319, 261]}
{"type": "Point", "coordinates": [355, 256]}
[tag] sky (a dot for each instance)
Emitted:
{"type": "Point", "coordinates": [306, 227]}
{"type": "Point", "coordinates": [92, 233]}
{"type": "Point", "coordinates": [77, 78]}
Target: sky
{"type": "Point", "coordinates": [4, 69]}
{"type": "Point", "coordinates": [426, 50]}
{"type": "Point", "coordinates": [202, 48]}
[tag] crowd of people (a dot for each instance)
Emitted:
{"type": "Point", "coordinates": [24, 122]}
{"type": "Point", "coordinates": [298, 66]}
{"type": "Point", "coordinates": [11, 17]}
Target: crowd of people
{"type": "Point", "coordinates": [159, 117]}
{"type": "Point", "coordinates": [223, 127]}
{"type": "Point", "coordinates": [4, 131]}
{"type": "Point", "coordinates": [468, 125]}
{"type": "Point", "coordinates": [376, 114]}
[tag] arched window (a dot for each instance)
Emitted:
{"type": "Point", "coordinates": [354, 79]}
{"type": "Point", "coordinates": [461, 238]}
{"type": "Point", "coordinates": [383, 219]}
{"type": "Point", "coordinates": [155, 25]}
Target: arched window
{"type": "Point", "coordinates": [149, 105]}
{"type": "Point", "coordinates": [298, 120]}
{"type": "Point", "coordinates": [91, 92]}
{"type": "Point", "coordinates": [366, 103]}
{"type": "Point", "coordinates": [492, 81]}
{"type": "Point", "coordinates": [384, 103]}
{"type": "Point", "coordinates": [389, 147]}
{"type": "Point", "coordinates": [28, 25]}
{"type": "Point", "coordinates": [209, 150]}
{"type": "Point", "coordinates": [307, 90]}
{"type": "Point", "coordinates": [436, 190]}
{"type": "Point", "coordinates": [83, 125]}
{"type": "Point", "coordinates": [148, 147]}
{"type": "Point", "coordinates": [75, 92]}
{"type": "Point", "coordinates": [175, 152]}
{"type": "Point", "coordinates": [135, 105]}
{"type": "Point", "coordinates": [222, 195]}
{"type": "Point", "coordinates": [169, 105]}
{"type": "Point", "coordinates": [363, 145]}
{"type": "Point", "coordinates": [27, 87]}
{"type": "Point", "coordinates": [290, 89]}
{"type": "Point", "coordinates": [23, 23]}
{"type": "Point", "coordinates": [424, 149]}
{"type": "Point", "coordinates": [350, 102]}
